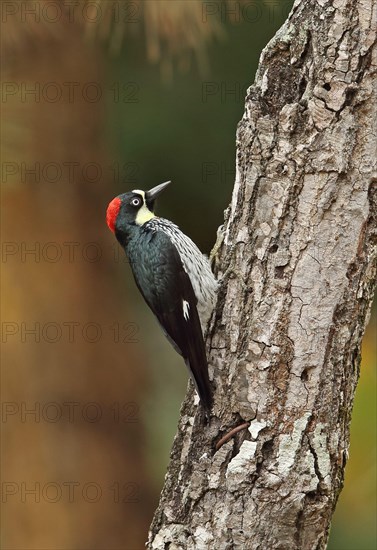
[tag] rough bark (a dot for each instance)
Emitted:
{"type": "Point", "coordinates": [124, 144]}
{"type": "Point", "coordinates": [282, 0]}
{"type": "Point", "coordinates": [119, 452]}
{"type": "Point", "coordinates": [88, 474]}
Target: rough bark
{"type": "Point", "coordinates": [297, 267]}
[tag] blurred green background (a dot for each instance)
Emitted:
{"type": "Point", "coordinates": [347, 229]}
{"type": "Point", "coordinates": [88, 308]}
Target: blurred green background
{"type": "Point", "coordinates": [149, 91]}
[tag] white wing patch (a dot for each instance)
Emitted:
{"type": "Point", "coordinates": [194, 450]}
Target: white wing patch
{"type": "Point", "coordinates": [186, 308]}
{"type": "Point", "coordinates": [196, 265]}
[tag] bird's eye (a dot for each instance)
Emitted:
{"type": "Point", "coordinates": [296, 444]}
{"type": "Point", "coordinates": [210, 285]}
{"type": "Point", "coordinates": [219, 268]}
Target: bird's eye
{"type": "Point", "coordinates": [135, 202]}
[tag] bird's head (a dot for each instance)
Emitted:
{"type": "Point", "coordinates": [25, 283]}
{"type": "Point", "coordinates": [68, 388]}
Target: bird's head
{"type": "Point", "coordinates": [133, 208]}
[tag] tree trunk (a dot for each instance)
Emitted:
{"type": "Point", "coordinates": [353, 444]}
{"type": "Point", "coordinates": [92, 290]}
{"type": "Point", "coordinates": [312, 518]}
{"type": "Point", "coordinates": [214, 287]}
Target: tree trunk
{"type": "Point", "coordinates": [297, 276]}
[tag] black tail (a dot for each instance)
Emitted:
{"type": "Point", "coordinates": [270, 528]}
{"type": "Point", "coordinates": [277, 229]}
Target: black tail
{"type": "Point", "coordinates": [202, 385]}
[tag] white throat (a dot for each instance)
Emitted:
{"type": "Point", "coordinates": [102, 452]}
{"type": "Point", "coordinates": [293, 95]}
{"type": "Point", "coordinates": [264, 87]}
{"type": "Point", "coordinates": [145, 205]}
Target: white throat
{"type": "Point", "coordinates": [144, 214]}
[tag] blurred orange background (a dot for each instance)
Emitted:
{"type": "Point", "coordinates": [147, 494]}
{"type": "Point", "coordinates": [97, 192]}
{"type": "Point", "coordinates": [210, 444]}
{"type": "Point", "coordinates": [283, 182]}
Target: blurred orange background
{"type": "Point", "coordinates": [98, 98]}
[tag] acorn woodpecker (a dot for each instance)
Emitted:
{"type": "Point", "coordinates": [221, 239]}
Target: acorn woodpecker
{"type": "Point", "coordinates": [173, 276]}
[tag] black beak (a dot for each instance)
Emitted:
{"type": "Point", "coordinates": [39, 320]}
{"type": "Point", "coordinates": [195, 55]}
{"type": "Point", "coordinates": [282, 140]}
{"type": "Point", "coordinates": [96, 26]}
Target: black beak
{"type": "Point", "coordinates": [152, 194]}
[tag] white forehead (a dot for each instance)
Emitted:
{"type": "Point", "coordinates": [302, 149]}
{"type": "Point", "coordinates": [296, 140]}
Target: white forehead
{"type": "Point", "coordinates": [139, 192]}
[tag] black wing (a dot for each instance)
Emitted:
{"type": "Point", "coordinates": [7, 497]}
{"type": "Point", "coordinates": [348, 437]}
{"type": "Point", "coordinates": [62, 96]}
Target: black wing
{"type": "Point", "coordinates": [167, 289]}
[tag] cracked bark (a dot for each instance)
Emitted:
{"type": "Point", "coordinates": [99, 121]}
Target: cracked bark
{"type": "Point", "coordinates": [297, 267]}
